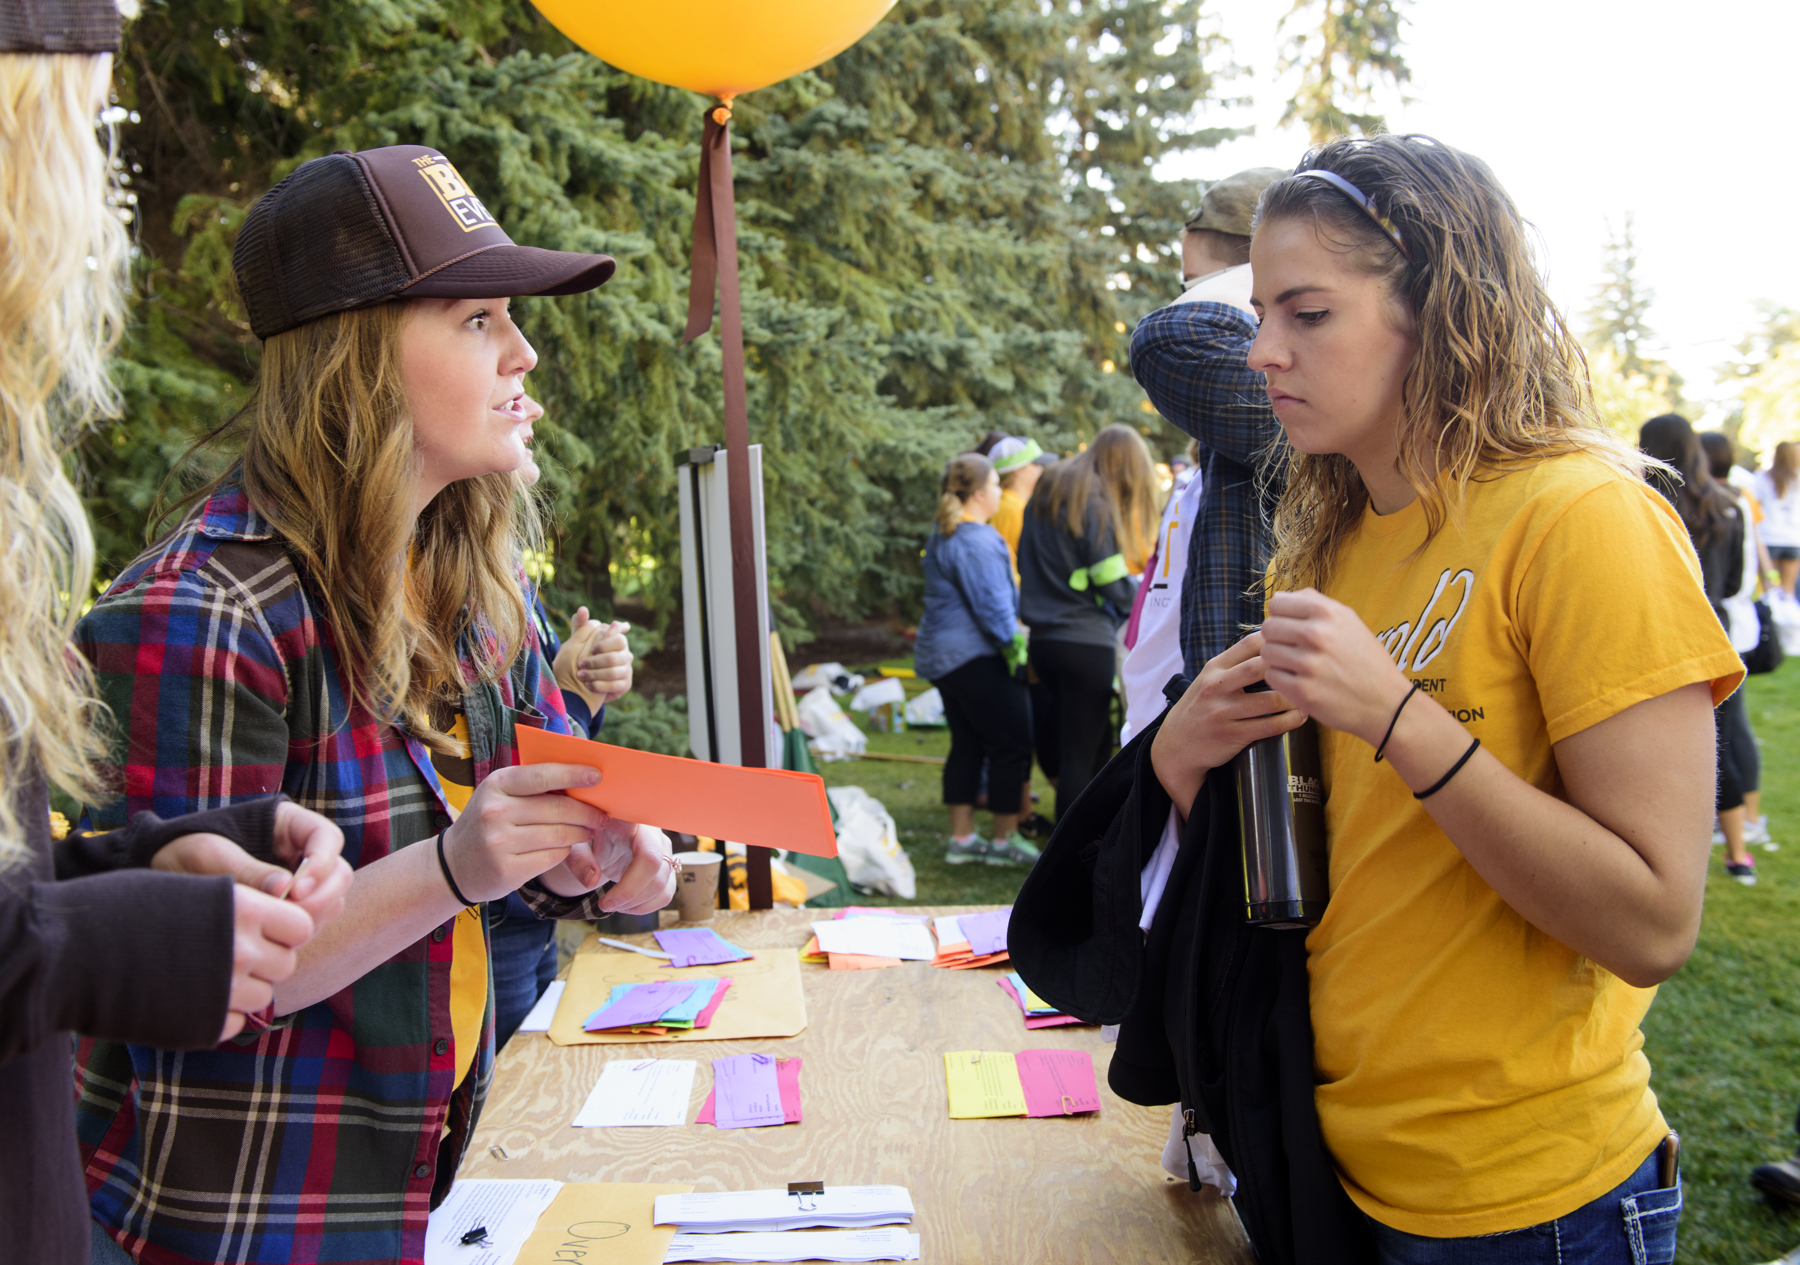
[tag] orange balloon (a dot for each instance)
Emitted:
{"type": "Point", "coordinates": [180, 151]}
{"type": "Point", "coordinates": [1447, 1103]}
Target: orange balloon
{"type": "Point", "coordinates": [719, 47]}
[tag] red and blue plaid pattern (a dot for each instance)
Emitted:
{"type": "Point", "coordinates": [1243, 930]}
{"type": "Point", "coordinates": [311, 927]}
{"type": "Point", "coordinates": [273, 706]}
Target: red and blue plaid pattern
{"type": "Point", "coordinates": [323, 1137]}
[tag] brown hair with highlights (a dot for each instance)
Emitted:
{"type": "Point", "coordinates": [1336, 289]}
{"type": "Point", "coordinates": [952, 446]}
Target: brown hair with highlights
{"type": "Point", "coordinates": [330, 460]}
{"type": "Point", "coordinates": [1498, 379]}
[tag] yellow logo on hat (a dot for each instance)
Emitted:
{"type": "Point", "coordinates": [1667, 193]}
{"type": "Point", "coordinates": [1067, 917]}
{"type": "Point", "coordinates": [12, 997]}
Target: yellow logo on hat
{"type": "Point", "coordinates": [454, 192]}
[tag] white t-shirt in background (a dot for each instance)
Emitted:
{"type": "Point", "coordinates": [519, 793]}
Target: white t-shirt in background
{"type": "Point", "coordinates": [1157, 655]}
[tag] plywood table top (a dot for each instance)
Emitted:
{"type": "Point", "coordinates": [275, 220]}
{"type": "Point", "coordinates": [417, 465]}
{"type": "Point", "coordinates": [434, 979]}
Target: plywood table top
{"type": "Point", "coordinates": [1082, 1189]}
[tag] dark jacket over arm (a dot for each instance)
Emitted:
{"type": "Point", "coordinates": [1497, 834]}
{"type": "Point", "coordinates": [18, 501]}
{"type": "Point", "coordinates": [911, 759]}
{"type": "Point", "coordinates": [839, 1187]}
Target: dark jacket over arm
{"type": "Point", "coordinates": [137, 956]}
{"type": "Point", "coordinates": [1191, 360]}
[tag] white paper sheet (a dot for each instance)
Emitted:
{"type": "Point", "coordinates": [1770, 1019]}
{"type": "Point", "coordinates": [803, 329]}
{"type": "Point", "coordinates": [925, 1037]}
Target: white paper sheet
{"type": "Point", "coordinates": [877, 937]}
{"type": "Point", "coordinates": [636, 1092]}
{"type": "Point", "coordinates": [509, 1210]}
{"type": "Point", "coordinates": [841, 1207]}
{"type": "Point", "coordinates": [545, 1010]}
{"type": "Point", "coordinates": [949, 929]}
{"type": "Point", "coordinates": [889, 1244]}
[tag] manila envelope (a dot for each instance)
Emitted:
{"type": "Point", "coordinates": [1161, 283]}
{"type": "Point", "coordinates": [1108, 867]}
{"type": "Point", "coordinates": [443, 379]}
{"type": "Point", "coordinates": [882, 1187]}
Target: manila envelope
{"type": "Point", "coordinates": [769, 808]}
{"type": "Point", "coordinates": [765, 999]}
{"type": "Point", "coordinates": [601, 1223]}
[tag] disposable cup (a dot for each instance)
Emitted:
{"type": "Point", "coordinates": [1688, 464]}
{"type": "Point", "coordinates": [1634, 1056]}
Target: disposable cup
{"type": "Point", "coordinates": [697, 887]}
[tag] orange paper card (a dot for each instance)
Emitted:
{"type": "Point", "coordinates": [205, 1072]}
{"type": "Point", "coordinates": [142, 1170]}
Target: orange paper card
{"type": "Point", "coordinates": [767, 808]}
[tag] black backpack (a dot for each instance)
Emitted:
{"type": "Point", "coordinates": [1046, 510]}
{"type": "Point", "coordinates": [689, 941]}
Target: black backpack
{"type": "Point", "coordinates": [1213, 1013]}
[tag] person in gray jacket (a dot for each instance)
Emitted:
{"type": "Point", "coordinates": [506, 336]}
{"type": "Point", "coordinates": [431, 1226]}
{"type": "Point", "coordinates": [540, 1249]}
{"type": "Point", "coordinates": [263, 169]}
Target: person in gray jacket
{"type": "Point", "coordinates": [1088, 527]}
{"type": "Point", "coordinates": [970, 645]}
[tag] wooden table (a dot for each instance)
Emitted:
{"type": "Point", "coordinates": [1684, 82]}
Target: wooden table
{"type": "Point", "coordinates": [1008, 1191]}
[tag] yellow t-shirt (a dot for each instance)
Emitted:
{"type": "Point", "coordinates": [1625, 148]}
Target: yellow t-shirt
{"type": "Point", "coordinates": [1009, 521]}
{"type": "Point", "coordinates": [468, 944]}
{"type": "Point", "coordinates": [1475, 1075]}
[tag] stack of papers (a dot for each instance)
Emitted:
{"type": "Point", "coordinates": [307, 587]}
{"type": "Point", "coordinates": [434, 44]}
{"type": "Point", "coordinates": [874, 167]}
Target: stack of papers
{"type": "Point", "coordinates": [1038, 1012]}
{"type": "Point", "coordinates": [859, 938]}
{"type": "Point", "coordinates": [987, 1083]}
{"type": "Point", "coordinates": [698, 946]}
{"type": "Point", "coordinates": [756, 1090]}
{"type": "Point", "coordinates": [889, 1244]}
{"type": "Point", "coordinates": [966, 940]}
{"type": "Point", "coordinates": [658, 1007]}
{"type": "Point", "coordinates": [635, 1093]}
{"type": "Point", "coordinates": [840, 1207]}
{"type": "Point", "coordinates": [507, 1210]}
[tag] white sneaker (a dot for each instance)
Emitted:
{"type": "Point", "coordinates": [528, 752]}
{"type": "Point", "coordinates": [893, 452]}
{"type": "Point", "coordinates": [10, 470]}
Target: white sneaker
{"type": "Point", "coordinates": [1756, 831]}
{"type": "Point", "coordinates": [1718, 835]}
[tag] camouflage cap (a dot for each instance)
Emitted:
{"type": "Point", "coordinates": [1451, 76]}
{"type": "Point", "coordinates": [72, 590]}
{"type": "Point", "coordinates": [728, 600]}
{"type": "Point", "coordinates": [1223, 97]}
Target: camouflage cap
{"type": "Point", "coordinates": [1229, 205]}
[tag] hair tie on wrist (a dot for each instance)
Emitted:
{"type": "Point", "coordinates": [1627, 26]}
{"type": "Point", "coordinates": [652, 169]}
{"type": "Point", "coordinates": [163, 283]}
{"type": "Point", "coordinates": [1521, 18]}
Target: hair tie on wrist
{"type": "Point", "coordinates": [444, 865]}
{"type": "Point", "coordinates": [1454, 770]}
{"type": "Point", "coordinates": [1395, 721]}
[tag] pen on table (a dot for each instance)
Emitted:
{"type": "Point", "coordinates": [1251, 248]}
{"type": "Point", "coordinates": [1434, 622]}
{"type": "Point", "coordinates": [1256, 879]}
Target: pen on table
{"type": "Point", "coordinates": [631, 948]}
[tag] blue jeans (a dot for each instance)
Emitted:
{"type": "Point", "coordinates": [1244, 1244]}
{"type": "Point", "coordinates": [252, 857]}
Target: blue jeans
{"type": "Point", "coordinates": [1632, 1224]}
{"type": "Point", "coordinates": [523, 962]}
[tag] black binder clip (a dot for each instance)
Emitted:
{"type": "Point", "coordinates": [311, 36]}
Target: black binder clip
{"type": "Point", "coordinates": [802, 1189]}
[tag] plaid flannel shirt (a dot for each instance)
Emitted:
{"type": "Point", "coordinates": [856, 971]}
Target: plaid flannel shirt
{"type": "Point", "coordinates": [329, 1135]}
{"type": "Point", "coordinates": [1190, 358]}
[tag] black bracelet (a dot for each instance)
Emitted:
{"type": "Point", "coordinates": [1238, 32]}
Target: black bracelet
{"type": "Point", "coordinates": [1395, 721]}
{"type": "Point", "coordinates": [444, 865]}
{"type": "Point", "coordinates": [1454, 770]}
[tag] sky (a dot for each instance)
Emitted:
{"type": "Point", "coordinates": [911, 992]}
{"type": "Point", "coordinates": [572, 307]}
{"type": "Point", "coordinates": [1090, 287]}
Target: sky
{"type": "Point", "coordinates": [1678, 114]}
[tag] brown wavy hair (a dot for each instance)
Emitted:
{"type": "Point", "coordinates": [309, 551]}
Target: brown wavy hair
{"type": "Point", "coordinates": [1117, 468]}
{"type": "Point", "coordinates": [329, 458]}
{"type": "Point", "coordinates": [1498, 379]}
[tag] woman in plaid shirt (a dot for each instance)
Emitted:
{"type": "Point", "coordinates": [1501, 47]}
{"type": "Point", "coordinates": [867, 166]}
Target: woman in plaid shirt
{"type": "Point", "coordinates": [342, 617]}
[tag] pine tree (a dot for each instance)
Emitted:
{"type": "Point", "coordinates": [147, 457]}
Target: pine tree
{"type": "Point", "coordinates": [946, 229]}
{"type": "Point", "coordinates": [1344, 49]}
{"type": "Point", "coordinates": [1618, 315]}
{"type": "Point", "coordinates": [950, 227]}
{"type": "Point", "coordinates": [1631, 384]}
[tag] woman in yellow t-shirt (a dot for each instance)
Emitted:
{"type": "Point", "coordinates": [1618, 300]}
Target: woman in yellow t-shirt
{"type": "Point", "coordinates": [1501, 632]}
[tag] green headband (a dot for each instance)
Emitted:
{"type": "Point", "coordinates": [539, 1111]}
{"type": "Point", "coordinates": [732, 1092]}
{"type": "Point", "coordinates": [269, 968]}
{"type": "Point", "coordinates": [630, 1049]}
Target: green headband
{"type": "Point", "coordinates": [1027, 454]}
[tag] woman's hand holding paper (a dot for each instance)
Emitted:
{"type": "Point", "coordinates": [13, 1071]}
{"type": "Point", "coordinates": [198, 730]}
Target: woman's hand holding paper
{"type": "Point", "coordinates": [517, 825]}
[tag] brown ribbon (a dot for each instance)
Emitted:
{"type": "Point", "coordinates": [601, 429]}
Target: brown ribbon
{"type": "Point", "coordinates": [715, 270]}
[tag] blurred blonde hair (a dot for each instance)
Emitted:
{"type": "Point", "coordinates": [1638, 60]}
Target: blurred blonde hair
{"type": "Point", "coordinates": [966, 475]}
{"type": "Point", "coordinates": [1497, 381]}
{"type": "Point", "coordinates": [330, 460]}
{"type": "Point", "coordinates": [63, 260]}
{"type": "Point", "coordinates": [1117, 468]}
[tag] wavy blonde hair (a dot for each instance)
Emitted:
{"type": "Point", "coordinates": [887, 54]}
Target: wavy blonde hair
{"type": "Point", "coordinates": [1498, 379]}
{"type": "Point", "coordinates": [63, 254]}
{"type": "Point", "coordinates": [330, 460]}
{"type": "Point", "coordinates": [1117, 468]}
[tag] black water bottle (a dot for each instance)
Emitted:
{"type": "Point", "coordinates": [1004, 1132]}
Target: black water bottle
{"type": "Point", "coordinates": [1281, 822]}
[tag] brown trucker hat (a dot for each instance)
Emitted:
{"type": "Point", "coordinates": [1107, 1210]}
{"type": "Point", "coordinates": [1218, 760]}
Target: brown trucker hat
{"type": "Point", "coordinates": [59, 26]}
{"type": "Point", "coordinates": [354, 229]}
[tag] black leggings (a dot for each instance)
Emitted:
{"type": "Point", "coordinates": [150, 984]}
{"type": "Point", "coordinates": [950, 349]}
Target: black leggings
{"type": "Point", "coordinates": [989, 713]}
{"type": "Point", "coordinates": [1740, 766]}
{"type": "Point", "coordinates": [1071, 708]}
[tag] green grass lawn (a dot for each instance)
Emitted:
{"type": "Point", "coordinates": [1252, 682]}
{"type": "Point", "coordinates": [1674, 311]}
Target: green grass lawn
{"type": "Point", "coordinates": [914, 794]}
{"type": "Point", "coordinates": [1724, 1034]}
